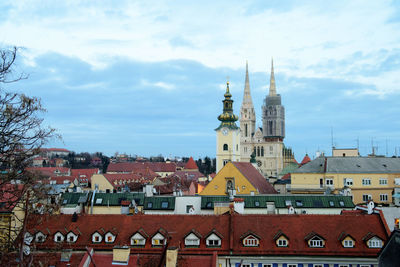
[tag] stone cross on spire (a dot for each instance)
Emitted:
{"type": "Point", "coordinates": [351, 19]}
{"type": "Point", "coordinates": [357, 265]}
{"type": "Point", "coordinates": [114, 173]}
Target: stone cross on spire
{"type": "Point", "coordinates": [272, 87]}
{"type": "Point", "coordinates": [246, 94]}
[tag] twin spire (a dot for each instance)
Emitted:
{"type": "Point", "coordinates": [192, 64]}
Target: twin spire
{"type": "Point", "coordinates": [247, 94]}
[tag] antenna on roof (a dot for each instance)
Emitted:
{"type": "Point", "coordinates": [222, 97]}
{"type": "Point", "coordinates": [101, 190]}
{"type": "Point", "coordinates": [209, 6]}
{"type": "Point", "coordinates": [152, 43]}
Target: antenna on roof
{"type": "Point", "coordinates": [333, 146]}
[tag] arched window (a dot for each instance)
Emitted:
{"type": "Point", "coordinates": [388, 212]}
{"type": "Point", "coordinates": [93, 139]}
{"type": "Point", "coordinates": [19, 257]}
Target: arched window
{"type": "Point", "coordinates": [245, 130]}
{"type": "Point", "coordinates": [262, 151]}
{"type": "Point", "coordinates": [225, 147]}
{"type": "Point", "coordinates": [258, 151]}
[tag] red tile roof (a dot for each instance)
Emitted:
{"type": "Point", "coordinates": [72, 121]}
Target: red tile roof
{"type": "Point", "coordinates": [191, 165]}
{"type": "Point", "coordinates": [295, 227]}
{"type": "Point", "coordinates": [61, 179]}
{"type": "Point", "coordinates": [84, 175]}
{"type": "Point", "coordinates": [305, 160]}
{"type": "Point", "coordinates": [255, 177]}
{"type": "Point", "coordinates": [132, 166]}
{"type": "Point", "coordinates": [49, 171]}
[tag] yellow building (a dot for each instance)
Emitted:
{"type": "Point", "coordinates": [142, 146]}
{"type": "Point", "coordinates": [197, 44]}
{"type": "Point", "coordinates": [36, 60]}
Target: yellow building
{"type": "Point", "coordinates": [228, 134]}
{"type": "Point", "coordinates": [363, 178]}
{"type": "Point", "coordinates": [11, 216]}
{"type": "Point", "coordinates": [238, 178]}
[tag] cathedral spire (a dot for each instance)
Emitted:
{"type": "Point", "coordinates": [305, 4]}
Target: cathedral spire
{"type": "Point", "coordinates": [246, 93]}
{"type": "Point", "coordinates": [272, 87]}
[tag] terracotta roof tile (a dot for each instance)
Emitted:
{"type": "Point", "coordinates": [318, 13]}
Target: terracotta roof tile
{"type": "Point", "coordinates": [255, 177]}
{"type": "Point", "coordinates": [191, 165]}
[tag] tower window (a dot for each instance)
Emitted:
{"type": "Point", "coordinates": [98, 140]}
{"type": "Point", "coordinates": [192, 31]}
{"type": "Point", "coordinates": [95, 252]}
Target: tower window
{"type": "Point", "coordinates": [270, 127]}
{"type": "Point", "coordinates": [225, 147]}
{"type": "Point", "coordinates": [258, 151]}
{"type": "Point", "coordinates": [245, 130]}
{"type": "Point", "coordinates": [262, 151]}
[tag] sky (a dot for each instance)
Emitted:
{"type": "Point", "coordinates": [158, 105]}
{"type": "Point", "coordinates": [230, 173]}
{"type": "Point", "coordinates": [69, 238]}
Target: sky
{"type": "Point", "coordinates": [148, 77]}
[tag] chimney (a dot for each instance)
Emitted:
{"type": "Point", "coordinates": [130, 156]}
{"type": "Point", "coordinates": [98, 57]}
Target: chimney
{"type": "Point", "coordinates": [149, 190]}
{"type": "Point", "coordinates": [121, 255]}
{"type": "Point", "coordinates": [172, 257]}
{"type": "Point", "coordinates": [370, 206]}
{"type": "Point", "coordinates": [238, 204]}
{"type": "Point", "coordinates": [291, 210]}
{"type": "Point", "coordinates": [270, 207]}
{"type": "Point", "coordinates": [74, 217]}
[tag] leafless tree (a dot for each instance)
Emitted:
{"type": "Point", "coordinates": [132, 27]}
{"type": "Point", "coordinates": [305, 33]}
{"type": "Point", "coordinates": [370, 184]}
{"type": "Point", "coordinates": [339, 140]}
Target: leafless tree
{"type": "Point", "coordinates": [22, 134]}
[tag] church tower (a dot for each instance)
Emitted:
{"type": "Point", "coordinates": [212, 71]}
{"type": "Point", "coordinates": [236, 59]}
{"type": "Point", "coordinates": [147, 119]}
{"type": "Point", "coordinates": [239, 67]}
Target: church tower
{"type": "Point", "coordinates": [228, 134]}
{"type": "Point", "coordinates": [247, 121]}
{"type": "Point", "coordinates": [273, 113]}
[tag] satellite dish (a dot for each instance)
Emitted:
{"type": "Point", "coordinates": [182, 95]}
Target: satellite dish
{"type": "Point", "coordinates": [28, 238]}
{"type": "Point", "coordinates": [26, 250]}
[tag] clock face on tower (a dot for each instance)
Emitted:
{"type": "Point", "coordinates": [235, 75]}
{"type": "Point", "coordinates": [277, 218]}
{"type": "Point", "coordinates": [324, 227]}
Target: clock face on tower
{"type": "Point", "coordinates": [224, 131]}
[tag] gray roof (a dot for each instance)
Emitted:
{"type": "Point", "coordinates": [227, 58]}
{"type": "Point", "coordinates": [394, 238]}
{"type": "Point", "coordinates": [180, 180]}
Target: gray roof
{"type": "Point", "coordinates": [351, 165]}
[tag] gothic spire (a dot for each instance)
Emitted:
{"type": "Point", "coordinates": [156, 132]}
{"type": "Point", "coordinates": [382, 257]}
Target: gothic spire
{"type": "Point", "coordinates": [246, 93]}
{"type": "Point", "coordinates": [272, 87]}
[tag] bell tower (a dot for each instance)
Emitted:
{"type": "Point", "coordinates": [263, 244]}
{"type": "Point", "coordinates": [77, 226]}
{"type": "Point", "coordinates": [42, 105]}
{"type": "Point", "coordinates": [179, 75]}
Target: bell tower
{"type": "Point", "coordinates": [247, 120]}
{"type": "Point", "coordinates": [273, 113]}
{"type": "Point", "coordinates": [228, 134]}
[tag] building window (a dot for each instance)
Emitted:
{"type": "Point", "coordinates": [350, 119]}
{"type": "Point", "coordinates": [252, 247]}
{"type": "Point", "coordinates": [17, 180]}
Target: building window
{"type": "Point", "coordinates": [397, 181]}
{"type": "Point", "coordinates": [109, 238]}
{"type": "Point", "coordinates": [257, 203]}
{"type": "Point", "coordinates": [383, 197]}
{"type": "Point", "coordinates": [348, 243]}
{"type": "Point", "coordinates": [138, 240]}
{"type": "Point", "coordinates": [375, 243]}
{"type": "Point", "coordinates": [251, 241]}
{"type": "Point", "coordinates": [316, 243]}
{"type": "Point", "coordinates": [192, 240]}
{"type": "Point", "coordinates": [149, 205]}
{"type": "Point", "coordinates": [292, 265]}
{"type": "Point", "coordinates": [258, 151]}
{"type": "Point", "coordinates": [164, 204]}
{"type": "Point", "coordinates": [282, 243]}
{"type": "Point", "coordinates": [348, 182]}
{"type": "Point", "coordinates": [158, 240]}
{"type": "Point", "coordinates": [58, 237]}
{"type": "Point", "coordinates": [213, 241]}
{"type": "Point", "coordinates": [366, 198]}
{"type": "Point", "coordinates": [366, 181]}
{"type": "Point", "coordinates": [262, 151]}
{"type": "Point", "coordinates": [329, 181]}
{"type": "Point", "coordinates": [383, 181]}
{"type": "Point", "coordinates": [96, 238]}
{"type": "Point", "coordinates": [343, 265]}
{"type": "Point", "coordinates": [267, 265]}
{"type": "Point", "coordinates": [225, 147]}
{"type": "Point", "coordinates": [245, 130]}
{"type": "Point", "coordinates": [225, 161]}
{"type": "Point", "coordinates": [318, 265]}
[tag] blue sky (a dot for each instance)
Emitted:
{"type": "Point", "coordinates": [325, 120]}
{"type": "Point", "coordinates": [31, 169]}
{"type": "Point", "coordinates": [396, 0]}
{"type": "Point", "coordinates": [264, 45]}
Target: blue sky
{"type": "Point", "coordinates": [148, 77]}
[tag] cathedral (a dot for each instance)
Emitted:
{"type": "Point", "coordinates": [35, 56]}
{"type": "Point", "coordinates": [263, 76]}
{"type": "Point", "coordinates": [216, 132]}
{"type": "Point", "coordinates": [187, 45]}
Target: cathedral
{"type": "Point", "coordinates": [264, 144]}
{"type": "Point", "coordinates": [248, 143]}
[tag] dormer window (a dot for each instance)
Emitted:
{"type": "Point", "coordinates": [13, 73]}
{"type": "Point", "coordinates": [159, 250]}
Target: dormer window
{"type": "Point", "coordinates": [251, 241]}
{"type": "Point", "coordinates": [109, 238]}
{"type": "Point", "coordinates": [71, 237]}
{"type": "Point", "coordinates": [375, 242]}
{"type": "Point", "coordinates": [281, 240]}
{"type": "Point", "coordinates": [348, 243]}
{"type": "Point", "coordinates": [158, 240]}
{"type": "Point", "coordinates": [213, 240]}
{"type": "Point", "coordinates": [138, 240]}
{"type": "Point", "coordinates": [192, 240]}
{"type": "Point", "coordinates": [58, 237]}
{"type": "Point", "coordinates": [97, 238]}
{"type": "Point", "coordinates": [316, 242]}
{"type": "Point", "coordinates": [40, 237]}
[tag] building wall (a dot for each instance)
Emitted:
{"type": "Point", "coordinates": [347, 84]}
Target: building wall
{"type": "Point", "coordinates": [217, 186]}
{"type": "Point", "coordinates": [311, 183]}
{"type": "Point", "coordinates": [102, 182]}
{"type": "Point", "coordinates": [181, 204]}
